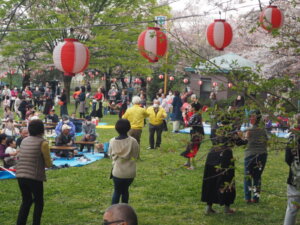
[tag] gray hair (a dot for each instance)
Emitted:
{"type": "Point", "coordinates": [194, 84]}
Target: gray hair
{"type": "Point", "coordinates": [136, 100]}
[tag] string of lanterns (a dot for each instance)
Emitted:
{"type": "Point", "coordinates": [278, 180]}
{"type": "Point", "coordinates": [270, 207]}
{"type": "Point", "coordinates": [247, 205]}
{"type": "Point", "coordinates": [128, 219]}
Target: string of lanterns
{"type": "Point", "coordinates": [72, 57]}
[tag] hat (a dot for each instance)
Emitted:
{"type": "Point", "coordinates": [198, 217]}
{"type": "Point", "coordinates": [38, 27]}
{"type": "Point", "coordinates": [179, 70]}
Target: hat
{"type": "Point", "coordinates": [65, 117]}
{"type": "Point", "coordinates": [65, 127]}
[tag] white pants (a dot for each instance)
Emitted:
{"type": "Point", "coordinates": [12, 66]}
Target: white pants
{"type": "Point", "coordinates": [293, 197]}
{"type": "Point", "coordinates": [176, 125]}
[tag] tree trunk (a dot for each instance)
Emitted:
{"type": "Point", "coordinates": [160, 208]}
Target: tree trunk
{"type": "Point", "coordinates": [67, 85]}
{"type": "Point", "coordinates": [26, 80]}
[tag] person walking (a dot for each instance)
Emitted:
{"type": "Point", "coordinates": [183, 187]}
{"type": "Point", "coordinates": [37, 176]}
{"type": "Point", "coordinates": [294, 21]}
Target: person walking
{"type": "Point", "coordinates": [34, 156]}
{"type": "Point", "coordinates": [156, 117]}
{"type": "Point", "coordinates": [255, 158]}
{"type": "Point", "coordinates": [136, 115]}
{"type": "Point", "coordinates": [124, 152]}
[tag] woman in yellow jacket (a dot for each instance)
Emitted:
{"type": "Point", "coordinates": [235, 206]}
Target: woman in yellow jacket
{"type": "Point", "coordinates": [156, 116]}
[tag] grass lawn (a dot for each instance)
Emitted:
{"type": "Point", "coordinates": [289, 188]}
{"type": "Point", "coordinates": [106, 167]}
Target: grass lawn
{"type": "Point", "coordinates": [162, 193]}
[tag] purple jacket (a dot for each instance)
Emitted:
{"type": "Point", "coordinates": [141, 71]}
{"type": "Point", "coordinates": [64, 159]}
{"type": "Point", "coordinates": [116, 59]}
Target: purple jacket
{"type": "Point", "coordinates": [2, 152]}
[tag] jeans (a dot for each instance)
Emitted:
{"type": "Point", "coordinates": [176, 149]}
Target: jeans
{"type": "Point", "coordinates": [292, 208]}
{"type": "Point", "coordinates": [152, 130]}
{"type": "Point", "coordinates": [254, 167]}
{"type": "Point", "coordinates": [32, 191]}
{"type": "Point", "coordinates": [121, 187]}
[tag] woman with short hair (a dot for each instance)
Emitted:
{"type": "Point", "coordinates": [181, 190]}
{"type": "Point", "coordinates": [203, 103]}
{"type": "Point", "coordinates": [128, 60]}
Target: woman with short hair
{"type": "Point", "coordinates": [34, 156]}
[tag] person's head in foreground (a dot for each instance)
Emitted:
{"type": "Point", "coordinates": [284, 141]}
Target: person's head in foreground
{"type": "Point", "coordinates": [120, 214]}
{"type": "Point", "coordinates": [36, 128]}
{"type": "Point", "coordinates": [122, 126]}
{"type": "Point", "coordinates": [195, 107]}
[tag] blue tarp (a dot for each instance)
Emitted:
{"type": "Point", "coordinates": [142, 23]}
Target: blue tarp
{"type": "Point", "coordinates": [207, 130]}
{"type": "Point", "coordinates": [7, 175]}
{"type": "Point", "coordinates": [77, 161]}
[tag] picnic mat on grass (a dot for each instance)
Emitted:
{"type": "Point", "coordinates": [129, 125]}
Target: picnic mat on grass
{"type": "Point", "coordinates": [207, 130]}
{"type": "Point", "coordinates": [86, 159]}
{"type": "Point", "coordinates": [105, 126]}
{"type": "Point", "coordinates": [7, 174]}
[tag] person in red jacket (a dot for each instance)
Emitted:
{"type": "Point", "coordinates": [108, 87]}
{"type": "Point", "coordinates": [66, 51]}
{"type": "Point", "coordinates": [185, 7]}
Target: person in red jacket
{"type": "Point", "coordinates": [98, 97]}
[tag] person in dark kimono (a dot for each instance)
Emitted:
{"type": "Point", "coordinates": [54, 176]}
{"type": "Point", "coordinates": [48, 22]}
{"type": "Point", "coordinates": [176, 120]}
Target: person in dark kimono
{"type": "Point", "coordinates": [218, 185]}
{"type": "Point", "coordinates": [176, 114]}
{"type": "Point", "coordinates": [124, 100]}
{"type": "Point", "coordinates": [49, 101]}
{"type": "Point", "coordinates": [197, 133]}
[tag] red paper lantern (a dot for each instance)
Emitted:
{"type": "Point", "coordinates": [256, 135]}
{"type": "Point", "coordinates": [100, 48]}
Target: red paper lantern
{"type": "Point", "coordinates": [219, 34]}
{"type": "Point", "coordinates": [271, 18]}
{"type": "Point", "coordinates": [97, 73]}
{"type": "Point", "coordinates": [149, 79]}
{"type": "Point", "coordinates": [200, 82]}
{"type": "Point", "coordinates": [161, 76]}
{"type": "Point", "coordinates": [215, 84]}
{"type": "Point", "coordinates": [171, 78]}
{"type": "Point", "coordinates": [185, 80]}
{"type": "Point", "coordinates": [71, 57]}
{"type": "Point", "coordinates": [103, 78]}
{"type": "Point", "coordinates": [153, 44]}
{"type": "Point", "coordinates": [113, 80]}
{"type": "Point", "coordinates": [126, 80]}
{"type": "Point", "coordinates": [230, 85]}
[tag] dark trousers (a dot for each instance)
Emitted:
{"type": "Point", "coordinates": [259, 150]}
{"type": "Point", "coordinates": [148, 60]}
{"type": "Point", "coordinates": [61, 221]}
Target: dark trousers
{"type": "Point", "coordinates": [121, 187]}
{"type": "Point", "coordinates": [136, 134]}
{"type": "Point", "coordinates": [32, 191]}
{"type": "Point", "coordinates": [254, 167]}
{"type": "Point", "coordinates": [92, 138]}
{"type": "Point", "coordinates": [152, 130]}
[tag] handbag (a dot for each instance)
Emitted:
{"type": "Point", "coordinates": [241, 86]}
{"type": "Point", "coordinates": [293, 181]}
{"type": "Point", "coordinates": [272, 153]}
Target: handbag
{"type": "Point", "coordinates": [164, 126]}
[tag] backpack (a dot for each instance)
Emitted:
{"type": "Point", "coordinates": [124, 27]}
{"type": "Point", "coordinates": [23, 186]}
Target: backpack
{"type": "Point", "coordinates": [295, 165]}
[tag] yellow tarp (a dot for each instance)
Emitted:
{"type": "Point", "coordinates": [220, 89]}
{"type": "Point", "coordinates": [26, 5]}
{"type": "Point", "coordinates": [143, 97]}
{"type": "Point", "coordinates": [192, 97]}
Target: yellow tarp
{"type": "Point", "coordinates": [105, 127]}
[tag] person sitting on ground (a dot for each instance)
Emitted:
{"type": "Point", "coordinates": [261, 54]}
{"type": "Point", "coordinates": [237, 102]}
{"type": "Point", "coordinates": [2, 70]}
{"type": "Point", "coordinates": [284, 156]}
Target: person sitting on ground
{"type": "Point", "coordinates": [52, 117]}
{"type": "Point", "coordinates": [65, 138]}
{"type": "Point", "coordinates": [11, 161]}
{"type": "Point", "coordinates": [23, 134]}
{"type": "Point", "coordinates": [8, 114]}
{"type": "Point", "coordinates": [120, 214]}
{"type": "Point", "coordinates": [197, 134]}
{"type": "Point", "coordinates": [89, 132]}
{"type": "Point", "coordinates": [65, 120]}
{"type": "Point", "coordinates": [124, 151]}
{"type": "Point", "coordinates": [3, 147]}
{"type": "Point", "coordinates": [10, 130]}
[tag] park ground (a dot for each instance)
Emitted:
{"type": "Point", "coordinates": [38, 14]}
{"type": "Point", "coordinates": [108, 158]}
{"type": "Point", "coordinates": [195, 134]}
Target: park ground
{"type": "Point", "coordinates": [163, 192]}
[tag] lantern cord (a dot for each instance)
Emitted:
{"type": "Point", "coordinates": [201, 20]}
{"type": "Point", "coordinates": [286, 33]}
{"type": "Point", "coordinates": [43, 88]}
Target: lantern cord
{"type": "Point", "coordinates": [110, 24]}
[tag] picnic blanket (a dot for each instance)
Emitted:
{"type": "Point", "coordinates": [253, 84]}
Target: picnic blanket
{"type": "Point", "coordinates": [104, 126]}
{"type": "Point", "coordinates": [85, 159]}
{"type": "Point", "coordinates": [207, 130]}
{"type": "Point", "coordinates": [7, 174]}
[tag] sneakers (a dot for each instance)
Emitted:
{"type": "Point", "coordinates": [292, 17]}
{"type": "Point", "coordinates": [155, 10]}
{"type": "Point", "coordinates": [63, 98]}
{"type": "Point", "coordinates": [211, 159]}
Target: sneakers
{"type": "Point", "coordinates": [209, 211]}
{"type": "Point", "coordinates": [191, 168]}
{"type": "Point", "coordinates": [149, 148]}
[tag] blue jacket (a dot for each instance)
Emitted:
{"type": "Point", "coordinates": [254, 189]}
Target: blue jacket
{"type": "Point", "coordinates": [59, 126]}
{"type": "Point", "coordinates": [177, 103]}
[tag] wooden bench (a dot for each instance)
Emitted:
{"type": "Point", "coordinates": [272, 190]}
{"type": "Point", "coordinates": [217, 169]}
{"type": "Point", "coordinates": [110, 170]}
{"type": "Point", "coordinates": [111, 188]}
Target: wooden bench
{"type": "Point", "coordinates": [63, 148]}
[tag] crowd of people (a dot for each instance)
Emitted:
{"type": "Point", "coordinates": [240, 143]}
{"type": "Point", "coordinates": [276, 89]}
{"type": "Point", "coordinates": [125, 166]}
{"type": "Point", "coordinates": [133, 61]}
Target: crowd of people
{"type": "Point", "coordinates": [26, 150]}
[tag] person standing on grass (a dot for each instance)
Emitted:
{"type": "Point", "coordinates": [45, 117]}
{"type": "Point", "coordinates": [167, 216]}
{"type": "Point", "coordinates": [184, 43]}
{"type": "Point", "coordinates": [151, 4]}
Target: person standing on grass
{"type": "Point", "coordinates": [136, 115]}
{"type": "Point", "coordinates": [82, 98]}
{"type": "Point", "coordinates": [124, 152]}
{"type": "Point", "coordinates": [176, 115]}
{"type": "Point", "coordinates": [63, 106]}
{"type": "Point", "coordinates": [197, 134]}
{"type": "Point", "coordinates": [292, 158]}
{"type": "Point", "coordinates": [34, 156]}
{"type": "Point", "coordinates": [156, 117]}
{"type": "Point", "coordinates": [255, 158]}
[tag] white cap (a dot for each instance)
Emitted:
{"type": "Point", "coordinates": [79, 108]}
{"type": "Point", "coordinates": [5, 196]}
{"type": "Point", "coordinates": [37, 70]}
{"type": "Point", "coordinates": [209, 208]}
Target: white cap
{"type": "Point", "coordinates": [65, 127]}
